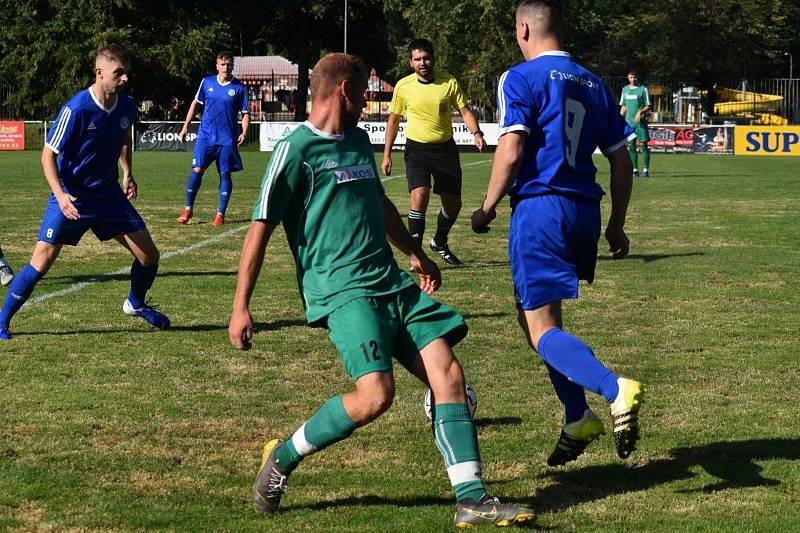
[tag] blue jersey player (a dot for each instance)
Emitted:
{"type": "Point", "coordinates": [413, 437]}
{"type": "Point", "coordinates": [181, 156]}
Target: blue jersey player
{"type": "Point", "coordinates": [553, 113]}
{"type": "Point", "coordinates": [91, 133]}
{"type": "Point", "coordinates": [223, 97]}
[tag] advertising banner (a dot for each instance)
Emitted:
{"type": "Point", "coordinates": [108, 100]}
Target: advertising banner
{"type": "Point", "coordinates": [163, 137]}
{"type": "Point", "coordinates": [12, 135]}
{"type": "Point", "coordinates": [767, 140]}
{"type": "Point", "coordinates": [671, 139]}
{"type": "Point", "coordinates": [271, 132]}
{"type": "Point", "coordinates": [713, 140]}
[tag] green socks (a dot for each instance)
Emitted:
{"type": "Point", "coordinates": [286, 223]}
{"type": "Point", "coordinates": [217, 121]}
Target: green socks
{"type": "Point", "coordinates": [458, 442]}
{"type": "Point", "coordinates": [329, 425]}
{"type": "Point", "coordinates": [634, 155]}
{"type": "Point", "coordinates": [646, 156]}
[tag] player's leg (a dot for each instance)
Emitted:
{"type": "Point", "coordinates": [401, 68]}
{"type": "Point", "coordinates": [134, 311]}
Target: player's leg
{"type": "Point", "coordinates": [436, 328]}
{"type": "Point", "coordinates": [201, 159]}
{"type": "Point", "coordinates": [229, 161]}
{"type": "Point", "coordinates": [44, 255]}
{"type": "Point", "coordinates": [420, 196]}
{"type": "Point", "coordinates": [143, 273]}
{"type": "Point", "coordinates": [553, 245]}
{"type": "Point", "coordinates": [55, 231]}
{"type": "Point", "coordinates": [646, 155]}
{"type": "Point", "coordinates": [634, 157]}
{"type": "Point", "coordinates": [364, 335]}
{"type": "Point", "coordinates": [6, 272]}
{"type": "Point", "coordinates": [446, 170]}
{"type": "Point", "coordinates": [418, 176]}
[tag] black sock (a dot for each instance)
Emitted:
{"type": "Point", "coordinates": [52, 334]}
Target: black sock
{"type": "Point", "coordinates": [416, 225]}
{"type": "Point", "coordinates": [443, 226]}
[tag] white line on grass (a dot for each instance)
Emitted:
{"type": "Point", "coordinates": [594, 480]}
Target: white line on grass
{"type": "Point", "coordinates": [97, 279]}
{"type": "Point", "coordinates": [201, 244]}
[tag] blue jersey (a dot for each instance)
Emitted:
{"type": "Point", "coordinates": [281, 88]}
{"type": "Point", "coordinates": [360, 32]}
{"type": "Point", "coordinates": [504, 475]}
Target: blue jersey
{"type": "Point", "coordinates": [221, 105]}
{"type": "Point", "coordinates": [88, 139]}
{"type": "Point", "coordinates": [567, 112]}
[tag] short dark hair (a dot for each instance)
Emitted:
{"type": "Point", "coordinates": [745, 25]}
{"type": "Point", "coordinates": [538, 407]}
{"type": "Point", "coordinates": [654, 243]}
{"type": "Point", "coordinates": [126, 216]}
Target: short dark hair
{"type": "Point", "coordinates": [332, 69]}
{"type": "Point", "coordinates": [113, 52]}
{"type": "Point", "coordinates": [633, 71]}
{"type": "Point", "coordinates": [548, 15]}
{"type": "Point", "coordinates": [420, 44]}
{"type": "Point", "coordinates": [225, 54]}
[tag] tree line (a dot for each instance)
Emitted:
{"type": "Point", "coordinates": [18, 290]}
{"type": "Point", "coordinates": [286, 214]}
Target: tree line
{"type": "Point", "coordinates": [47, 47]}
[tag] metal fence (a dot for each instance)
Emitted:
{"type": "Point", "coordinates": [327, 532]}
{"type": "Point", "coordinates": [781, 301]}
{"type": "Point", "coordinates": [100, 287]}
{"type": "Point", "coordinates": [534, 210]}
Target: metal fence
{"type": "Point", "coordinates": [761, 101]}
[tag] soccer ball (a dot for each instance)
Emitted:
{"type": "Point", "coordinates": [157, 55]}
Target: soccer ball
{"type": "Point", "coordinates": [472, 402]}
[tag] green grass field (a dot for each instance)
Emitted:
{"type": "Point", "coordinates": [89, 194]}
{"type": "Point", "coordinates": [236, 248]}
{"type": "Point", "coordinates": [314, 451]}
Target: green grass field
{"type": "Point", "coordinates": [106, 424]}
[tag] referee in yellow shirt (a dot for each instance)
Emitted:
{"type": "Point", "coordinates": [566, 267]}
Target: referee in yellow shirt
{"type": "Point", "coordinates": [428, 99]}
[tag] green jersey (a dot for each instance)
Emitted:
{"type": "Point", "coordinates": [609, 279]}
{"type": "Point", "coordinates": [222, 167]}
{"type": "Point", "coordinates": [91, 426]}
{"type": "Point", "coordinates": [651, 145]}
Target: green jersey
{"type": "Point", "coordinates": [325, 190]}
{"type": "Point", "coordinates": [634, 99]}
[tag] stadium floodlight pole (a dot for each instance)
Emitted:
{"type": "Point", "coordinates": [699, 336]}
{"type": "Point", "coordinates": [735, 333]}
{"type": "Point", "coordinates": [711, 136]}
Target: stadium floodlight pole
{"type": "Point", "coordinates": [790, 64]}
{"type": "Point", "coordinates": [345, 26]}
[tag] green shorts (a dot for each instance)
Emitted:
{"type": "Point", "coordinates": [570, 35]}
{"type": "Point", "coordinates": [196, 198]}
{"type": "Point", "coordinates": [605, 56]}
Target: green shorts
{"type": "Point", "coordinates": [641, 131]}
{"type": "Point", "coordinates": [369, 331]}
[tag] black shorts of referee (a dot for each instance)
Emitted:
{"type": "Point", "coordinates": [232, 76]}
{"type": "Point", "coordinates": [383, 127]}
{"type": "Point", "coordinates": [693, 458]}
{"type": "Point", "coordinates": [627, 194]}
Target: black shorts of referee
{"type": "Point", "coordinates": [439, 160]}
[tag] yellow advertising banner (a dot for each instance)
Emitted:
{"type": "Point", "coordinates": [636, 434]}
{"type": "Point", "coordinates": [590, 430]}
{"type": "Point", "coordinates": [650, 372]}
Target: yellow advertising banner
{"type": "Point", "coordinates": [766, 140]}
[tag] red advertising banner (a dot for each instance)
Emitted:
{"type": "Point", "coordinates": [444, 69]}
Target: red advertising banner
{"type": "Point", "coordinates": [12, 135]}
{"type": "Point", "coordinates": [671, 138]}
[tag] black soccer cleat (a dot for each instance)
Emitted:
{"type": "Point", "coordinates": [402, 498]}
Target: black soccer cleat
{"type": "Point", "coordinates": [489, 511]}
{"type": "Point", "coordinates": [271, 481]}
{"type": "Point", "coordinates": [575, 437]}
{"type": "Point", "coordinates": [444, 251]}
{"type": "Point", "coordinates": [625, 411]}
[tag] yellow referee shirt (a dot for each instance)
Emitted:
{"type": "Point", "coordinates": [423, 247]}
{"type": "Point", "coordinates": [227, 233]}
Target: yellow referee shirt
{"type": "Point", "coordinates": [428, 106]}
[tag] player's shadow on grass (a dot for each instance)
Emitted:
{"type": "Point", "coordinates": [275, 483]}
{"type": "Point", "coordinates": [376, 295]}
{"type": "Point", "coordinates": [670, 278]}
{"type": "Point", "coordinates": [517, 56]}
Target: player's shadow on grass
{"type": "Point", "coordinates": [261, 327]}
{"type": "Point", "coordinates": [734, 464]}
{"type": "Point", "coordinates": [649, 258]}
{"type": "Point", "coordinates": [498, 421]}
{"type": "Point", "coordinates": [472, 265]}
{"type": "Point", "coordinates": [495, 314]}
{"type": "Point", "coordinates": [401, 502]}
{"type": "Point", "coordinates": [101, 278]}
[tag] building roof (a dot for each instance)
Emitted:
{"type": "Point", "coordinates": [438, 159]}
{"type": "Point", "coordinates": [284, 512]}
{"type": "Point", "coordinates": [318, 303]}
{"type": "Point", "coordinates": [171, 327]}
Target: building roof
{"type": "Point", "coordinates": [252, 70]}
{"type": "Point", "coordinates": [256, 68]}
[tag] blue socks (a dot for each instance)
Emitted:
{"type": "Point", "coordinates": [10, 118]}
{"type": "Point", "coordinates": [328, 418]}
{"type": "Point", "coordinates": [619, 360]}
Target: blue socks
{"type": "Point", "coordinates": [572, 358]}
{"type": "Point", "coordinates": [142, 278]}
{"type": "Point", "coordinates": [225, 189]}
{"type": "Point", "coordinates": [19, 291]}
{"type": "Point", "coordinates": [192, 186]}
{"type": "Point", "coordinates": [570, 394]}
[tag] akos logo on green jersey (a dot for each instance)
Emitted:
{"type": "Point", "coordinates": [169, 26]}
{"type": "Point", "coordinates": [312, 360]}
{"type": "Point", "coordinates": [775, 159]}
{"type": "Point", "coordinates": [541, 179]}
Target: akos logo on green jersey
{"type": "Point", "coordinates": [360, 172]}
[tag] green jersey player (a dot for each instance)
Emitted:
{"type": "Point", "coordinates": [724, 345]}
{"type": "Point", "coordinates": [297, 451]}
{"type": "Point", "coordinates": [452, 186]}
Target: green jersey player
{"type": "Point", "coordinates": [634, 106]}
{"type": "Point", "coordinates": [322, 184]}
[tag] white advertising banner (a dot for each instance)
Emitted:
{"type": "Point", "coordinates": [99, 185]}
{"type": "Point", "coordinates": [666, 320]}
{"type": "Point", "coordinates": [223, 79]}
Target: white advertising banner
{"type": "Point", "coordinates": [272, 132]}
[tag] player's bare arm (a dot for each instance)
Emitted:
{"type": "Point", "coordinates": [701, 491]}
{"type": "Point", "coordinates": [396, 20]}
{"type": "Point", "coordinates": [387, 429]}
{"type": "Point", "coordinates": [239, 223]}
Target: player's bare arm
{"type": "Point", "coordinates": [474, 127]}
{"type": "Point", "coordinates": [507, 158]}
{"type": "Point", "coordinates": [49, 158]}
{"type": "Point", "coordinates": [245, 127]}
{"type": "Point", "coordinates": [430, 278]}
{"type": "Point", "coordinates": [189, 117]}
{"type": "Point", "coordinates": [392, 126]}
{"type": "Point", "coordinates": [240, 327]}
{"type": "Point", "coordinates": [621, 186]}
{"type": "Point", "coordinates": [126, 162]}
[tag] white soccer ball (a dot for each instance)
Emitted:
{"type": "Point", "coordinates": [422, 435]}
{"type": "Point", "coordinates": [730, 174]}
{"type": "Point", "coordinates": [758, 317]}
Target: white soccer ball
{"type": "Point", "coordinates": [472, 402]}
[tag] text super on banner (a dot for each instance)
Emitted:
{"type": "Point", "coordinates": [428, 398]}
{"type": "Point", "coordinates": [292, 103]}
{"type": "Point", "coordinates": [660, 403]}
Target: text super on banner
{"type": "Point", "coordinates": [12, 135]}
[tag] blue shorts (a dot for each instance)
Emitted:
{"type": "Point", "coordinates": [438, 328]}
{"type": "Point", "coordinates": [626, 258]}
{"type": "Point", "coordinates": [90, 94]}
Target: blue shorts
{"type": "Point", "coordinates": [552, 243]}
{"type": "Point", "coordinates": [109, 216]}
{"type": "Point", "coordinates": [227, 157]}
